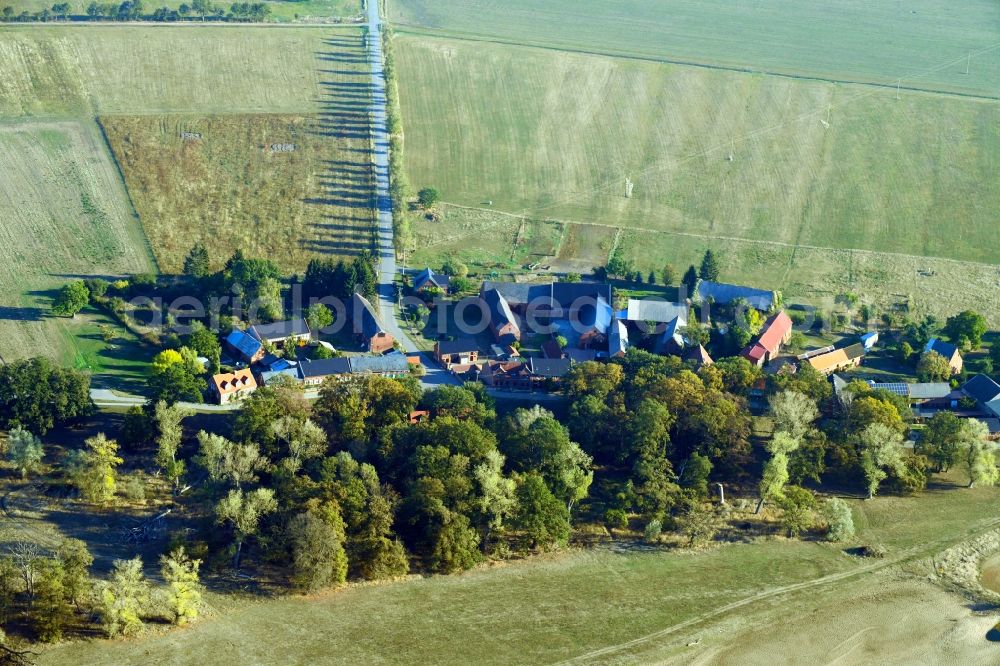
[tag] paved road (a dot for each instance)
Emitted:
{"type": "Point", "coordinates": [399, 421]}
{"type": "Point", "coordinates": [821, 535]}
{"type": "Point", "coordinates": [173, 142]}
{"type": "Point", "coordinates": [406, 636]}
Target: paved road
{"type": "Point", "coordinates": [436, 375]}
{"type": "Point", "coordinates": [113, 399]}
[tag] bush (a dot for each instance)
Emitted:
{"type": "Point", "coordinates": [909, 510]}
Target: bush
{"type": "Point", "coordinates": [134, 489]}
{"type": "Point", "coordinates": [839, 518]}
{"type": "Point", "coordinates": [616, 519]}
{"type": "Point", "coordinates": [651, 533]}
{"type": "Point", "coordinates": [428, 197]}
{"type": "Point", "coordinates": [874, 550]}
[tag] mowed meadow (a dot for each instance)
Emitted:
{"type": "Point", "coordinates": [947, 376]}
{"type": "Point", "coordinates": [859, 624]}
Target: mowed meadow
{"type": "Point", "coordinates": [281, 168]}
{"type": "Point", "coordinates": [922, 43]}
{"type": "Point", "coordinates": [64, 214]}
{"type": "Point", "coordinates": [716, 157]}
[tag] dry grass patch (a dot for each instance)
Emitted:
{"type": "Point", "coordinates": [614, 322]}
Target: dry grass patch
{"type": "Point", "coordinates": [240, 186]}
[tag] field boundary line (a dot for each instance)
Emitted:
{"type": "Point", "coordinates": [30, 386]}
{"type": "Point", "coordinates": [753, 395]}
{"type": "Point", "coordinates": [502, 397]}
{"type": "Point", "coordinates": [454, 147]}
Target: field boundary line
{"type": "Point", "coordinates": [737, 239]}
{"type": "Point", "coordinates": [181, 24]}
{"type": "Point", "coordinates": [128, 194]}
{"type": "Point", "coordinates": [418, 31]}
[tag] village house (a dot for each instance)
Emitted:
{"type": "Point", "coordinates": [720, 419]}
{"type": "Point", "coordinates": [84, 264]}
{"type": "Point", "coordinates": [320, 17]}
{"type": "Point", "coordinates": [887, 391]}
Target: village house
{"type": "Point", "coordinates": [271, 377]}
{"type": "Point", "coordinates": [246, 347]}
{"type": "Point", "coordinates": [580, 355]}
{"type": "Point", "coordinates": [698, 355]}
{"type": "Point", "coordinates": [776, 331]}
{"type": "Point", "coordinates": [652, 316]}
{"type": "Point", "coordinates": [593, 322]}
{"type": "Point", "coordinates": [838, 359]}
{"type": "Point", "coordinates": [316, 372]}
{"type": "Point", "coordinates": [232, 386]}
{"type": "Point", "coordinates": [503, 324]}
{"type": "Point", "coordinates": [917, 393]}
{"type": "Point", "coordinates": [460, 351]}
{"type": "Point", "coordinates": [508, 375]}
{"type": "Point", "coordinates": [419, 416]}
{"type": "Point", "coordinates": [426, 282]}
{"type": "Point", "coordinates": [986, 393]}
{"type": "Point", "coordinates": [549, 369]}
{"type": "Point", "coordinates": [279, 331]}
{"type": "Point", "coordinates": [584, 304]}
{"type": "Point", "coordinates": [948, 351]}
{"type": "Point", "coordinates": [368, 327]}
{"type": "Point", "coordinates": [618, 340]}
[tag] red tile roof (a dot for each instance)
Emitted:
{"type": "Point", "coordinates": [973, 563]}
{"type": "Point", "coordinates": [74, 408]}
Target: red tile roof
{"type": "Point", "coordinates": [231, 382]}
{"type": "Point", "coordinates": [775, 331]}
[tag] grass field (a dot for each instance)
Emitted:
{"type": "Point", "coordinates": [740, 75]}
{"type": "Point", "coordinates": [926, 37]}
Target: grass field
{"type": "Point", "coordinates": [923, 42]}
{"type": "Point", "coordinates": [487, 242]}
{"type": "Point", "coordinates": [65, 214]}
{"type": "Point", "coordinates": [230, 190]}
{"type": "Point", "coordinates": [546, 134]}
{"type": "Point", "coordinates": [282, 11]}
{"type": "Point", "coordinates": [560, 607]}
{"type": "Point", "coordinates": [100, 69]}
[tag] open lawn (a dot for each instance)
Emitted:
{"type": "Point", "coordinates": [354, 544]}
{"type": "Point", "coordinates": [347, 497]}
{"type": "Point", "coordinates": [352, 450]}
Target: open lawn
{"type": "Point", "coordinates": [65, 215]}
{"type": "Point", "coordinates": [546, 134]}
{"type": "Point", "coordinates": [608, 604]}
{"type": "Point", "coordinates": [87, 70]}
{"type": "Point", "coordinates": [282, 11]}
{"type": "Point", "coordinates": [925, 43]}
{"type": "Point", "coordinates": [231, 189]}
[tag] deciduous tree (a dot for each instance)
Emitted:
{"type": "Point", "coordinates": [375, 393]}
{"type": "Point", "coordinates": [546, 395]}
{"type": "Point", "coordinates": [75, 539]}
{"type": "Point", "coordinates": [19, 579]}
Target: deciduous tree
{"type": "Point", "coordinates": [123, 600]}
{"type": "Point", "coordinates": [883, 450]}
{"type": "Point", "coordinates": [183, 587]}
{"type": "Point", "coordinates": [793, 413]}
{"type": "Point", "coordinates": [318, 557]}
{"type": "Point", "coordinates": [839, 518]}
{"type": "Point", "coordinates": [244, 512]}
{"type": "Point", "coordinates": [25, 451]}
{"type": "Point", "coordinates": [978, 454]}
{"type": "Point", "coordinates": [72, 298]}
{"type": "Point", "coordinates": [933, 367]}
{"type": "Point", "coordinates": [93, 470]}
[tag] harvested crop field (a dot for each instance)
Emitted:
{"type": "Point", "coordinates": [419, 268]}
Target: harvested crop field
{"type": "Point", "coordinates": [923, 42]}
{"type": "Point", "coordinates": [286, 187]}
{"type": "Point", "coordinates": [65, 215]}
{"type": "Point", "coordinates": [103, 69]}
{"type": "Point", "coordinates": [551, 134]}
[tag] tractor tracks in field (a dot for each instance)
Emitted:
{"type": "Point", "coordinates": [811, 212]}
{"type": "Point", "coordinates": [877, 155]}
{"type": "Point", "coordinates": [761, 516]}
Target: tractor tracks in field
{"type": "Point", "coordinates": [909, 555]}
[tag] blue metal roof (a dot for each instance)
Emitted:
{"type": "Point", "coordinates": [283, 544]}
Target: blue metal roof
{"type": "Point", "coordinates": [244, 343]}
